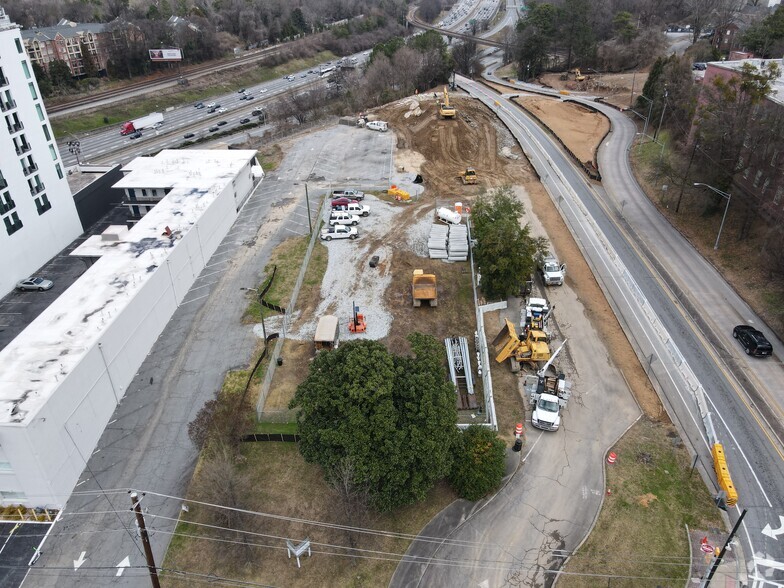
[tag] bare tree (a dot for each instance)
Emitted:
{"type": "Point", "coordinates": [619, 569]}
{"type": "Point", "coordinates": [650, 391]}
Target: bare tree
{"type": "Point", "coordinates": [353, 499]}
{"type": "Point", "coordinates": [465, 57]}
{"type": "Point", "coordinates": [700, 12]}
{"type": "Point", "coordinates": [221, 481]}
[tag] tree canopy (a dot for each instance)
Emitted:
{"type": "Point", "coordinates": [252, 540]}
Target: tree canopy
{"type": "Point", "coordinates": [386, 421]}
{"type": "Point", "coordinates": [505, 251]}
{"type": "Point", "coordinates": [479, 462]}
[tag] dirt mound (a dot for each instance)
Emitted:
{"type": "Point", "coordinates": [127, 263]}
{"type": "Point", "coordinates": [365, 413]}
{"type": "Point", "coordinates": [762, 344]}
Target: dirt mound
{"type": "Point", "coordinates": [580, 128]}
{"type": "Point", "coordinates": [473, 139]}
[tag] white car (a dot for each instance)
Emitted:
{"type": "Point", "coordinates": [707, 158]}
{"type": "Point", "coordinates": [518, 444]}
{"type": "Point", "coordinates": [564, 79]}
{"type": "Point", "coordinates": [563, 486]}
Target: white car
{"type": "Point", "coordinates": [339, 232]}
{"type": "Point", "coordinates": [377, 125]}
{"type": "Point", "coordinates": [343, 218]}
{"type": "Point", "coordinates": [210, 105]}
{"type": "Point", "coordinates": [36, 283]}
{"type": "Point", "coordinates": [221, 110]}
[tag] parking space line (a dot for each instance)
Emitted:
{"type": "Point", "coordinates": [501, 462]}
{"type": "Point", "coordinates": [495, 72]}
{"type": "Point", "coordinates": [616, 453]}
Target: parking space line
{"type": "Point", "coordinates": [10, 313]}
{"type": "Point", "coordinates": [210, 274]}
{"type": "Point", "coordinates": [214, 264]}
{"type": "Point", "coordinates": [194, 300]}
{"type": "Point", "coordinates": [202, 286]}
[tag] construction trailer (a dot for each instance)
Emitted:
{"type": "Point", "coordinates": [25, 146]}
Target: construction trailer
{"type": "Point", "coordinates": [327, 333]}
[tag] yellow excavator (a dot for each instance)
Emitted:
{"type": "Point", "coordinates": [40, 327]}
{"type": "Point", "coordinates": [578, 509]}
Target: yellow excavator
{"type": "Point", "coordinates": [446, 109]}
{"type": "Point", "coordinates": [578, 76]}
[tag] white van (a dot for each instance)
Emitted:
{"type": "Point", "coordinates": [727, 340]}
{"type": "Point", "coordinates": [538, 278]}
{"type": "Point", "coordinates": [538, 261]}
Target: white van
{"type": "Point", "coordinates": [377, 125]}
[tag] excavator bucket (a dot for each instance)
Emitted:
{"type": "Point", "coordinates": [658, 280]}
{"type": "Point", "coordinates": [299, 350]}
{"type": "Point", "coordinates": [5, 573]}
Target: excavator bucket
{"type": "Point", "coordinates": [506, 342]}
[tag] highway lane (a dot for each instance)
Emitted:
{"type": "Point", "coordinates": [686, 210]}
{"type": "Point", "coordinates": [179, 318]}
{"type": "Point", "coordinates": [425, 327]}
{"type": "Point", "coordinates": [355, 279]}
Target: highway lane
{"type": "Point", "coordinates": [106, 146]}
{"type": "Point", "coordinates": [686, 294]}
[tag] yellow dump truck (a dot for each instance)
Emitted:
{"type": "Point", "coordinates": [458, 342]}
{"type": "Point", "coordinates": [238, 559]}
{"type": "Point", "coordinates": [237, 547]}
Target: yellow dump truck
{"type": "Point", "coordinates": [533, 349]}
{"type": "Point", "coordinates": [423, 287]}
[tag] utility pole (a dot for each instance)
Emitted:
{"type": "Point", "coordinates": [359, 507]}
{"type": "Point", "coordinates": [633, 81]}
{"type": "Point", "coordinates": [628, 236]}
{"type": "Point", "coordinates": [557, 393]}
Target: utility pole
{"type": "Point", "coordinates": [717, 559]}
{"type": "Point", "coordinates": [664, 108]}
{"type": "Point", "coordinates": [137, 508]}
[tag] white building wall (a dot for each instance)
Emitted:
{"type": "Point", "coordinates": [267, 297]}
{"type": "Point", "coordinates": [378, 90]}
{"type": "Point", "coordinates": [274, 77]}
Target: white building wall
{"type": "Point", "coordinates": [48, 454]}
{"type": "Point", "coordinates": [42, 235]}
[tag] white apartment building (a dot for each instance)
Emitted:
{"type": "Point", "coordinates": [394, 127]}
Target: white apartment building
{"type": "Point", "coordinates": [63, 376]}
{"type": "Point", "coordinates": [38, 217]}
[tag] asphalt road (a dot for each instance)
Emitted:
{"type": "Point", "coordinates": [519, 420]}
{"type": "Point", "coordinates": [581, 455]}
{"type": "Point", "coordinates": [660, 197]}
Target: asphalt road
{"type": "Point", "coordinates": [106, 146]}
{"type": "Point", "coordinates": [678, 313]}
{"type": "Point", "coordinates": [145, 446]}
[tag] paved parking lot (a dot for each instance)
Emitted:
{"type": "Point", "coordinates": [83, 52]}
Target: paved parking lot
{"type": "Point", "coordinates": [18, 542]}
{"type": "Point", "coordinates": [19, 309]}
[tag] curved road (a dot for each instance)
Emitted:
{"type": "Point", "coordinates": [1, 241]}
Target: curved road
{"type": "Point", "coordinates": [678, 313]}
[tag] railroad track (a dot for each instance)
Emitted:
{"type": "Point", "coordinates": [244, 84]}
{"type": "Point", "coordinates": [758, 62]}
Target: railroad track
{"type": "Point", "coordinates": [192, 72]}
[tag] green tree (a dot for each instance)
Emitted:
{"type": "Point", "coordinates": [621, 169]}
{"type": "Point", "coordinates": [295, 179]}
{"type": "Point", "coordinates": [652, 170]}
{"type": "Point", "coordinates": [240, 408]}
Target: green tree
{"type": "Point", "coordinates": [479, 463]}
{"type": "Point", "coordinates": [737, 131]}
{"type": "Point", "coordinates": [766, 37]}
{"type": "Point", "coordinates": [60, 75]}
{"type": "Point", "coordinates": [505, 250]}
{"type": "Point", "coordinates": [534, 38]}
{"type": "Point", "coordinates": [388, 420]}
{"type": "Point", "coordinates": [624, 26]}
{"type": "Point", "coordinates": [576, 31]}
{"type": "Point", "coordinates": [88, 61]}
{"type": "Point", "coordinates": [44, 83]}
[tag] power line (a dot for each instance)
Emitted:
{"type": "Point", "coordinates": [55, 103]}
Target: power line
{"type": "Point", "coordinates": [376, 532]}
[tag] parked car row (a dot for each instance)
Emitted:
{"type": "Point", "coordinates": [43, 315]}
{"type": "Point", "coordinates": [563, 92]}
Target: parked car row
{"type": "Point", "coordinates": [345, 215]}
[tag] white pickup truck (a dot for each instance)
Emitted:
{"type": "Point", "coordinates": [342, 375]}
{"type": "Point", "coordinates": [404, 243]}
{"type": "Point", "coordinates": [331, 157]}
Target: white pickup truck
{"type": "Point", "coordinates": [551, 271]}
{"type": "Point", "coordinates": [353, 208]}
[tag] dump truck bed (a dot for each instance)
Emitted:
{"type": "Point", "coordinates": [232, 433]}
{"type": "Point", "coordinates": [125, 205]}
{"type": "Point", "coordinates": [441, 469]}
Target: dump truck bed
{"type": "Point", "coordinates": [424, 287]}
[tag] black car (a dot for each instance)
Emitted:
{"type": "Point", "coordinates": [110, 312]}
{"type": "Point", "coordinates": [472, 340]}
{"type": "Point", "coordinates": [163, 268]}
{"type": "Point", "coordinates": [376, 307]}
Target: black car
{"type": "Point", "coordinates": [221, 123]}
{"type": "Point", "coordinates": [213, 129]}
{"type": "Point", "coordinates": [249, 96]}
{"type": "Point", "coordinates": [189, 135]}
{"type": "Point", "coordinates": [242, 91]}
{"type": "Point", "coordinates": [136, 135]}
{"type": "Point", "coordinates": [213, 109]}
{"type": "Point", "coordinates": [753, 341]}
{"type": "Point", "coordinates": [256, 112]}
{"type": "Point", "coordinates": [699, 66]}
{"type": "Point", "coordinates": [244, 97]}
{"type": "Point", "coordinates": [199, 105]}
{"type": "Point", "coordinates": [244, 121]}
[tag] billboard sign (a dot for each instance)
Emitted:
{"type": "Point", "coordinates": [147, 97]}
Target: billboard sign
{"type": "Point", "coordinates": [165, 55]}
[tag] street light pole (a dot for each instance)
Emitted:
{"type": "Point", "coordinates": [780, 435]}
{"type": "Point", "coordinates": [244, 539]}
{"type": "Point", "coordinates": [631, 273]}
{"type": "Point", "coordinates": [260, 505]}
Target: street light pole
{"type": "Point", "coordinates": [726, 195]}
{"type": "Point", "coordinates": [307, 204]}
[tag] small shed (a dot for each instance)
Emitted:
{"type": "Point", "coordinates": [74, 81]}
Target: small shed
{"type": "Point", "coordinates": [327, 333]}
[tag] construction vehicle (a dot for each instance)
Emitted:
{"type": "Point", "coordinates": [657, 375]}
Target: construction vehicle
{"type": "Point", "coordinates": [548, 394]}
{"type": "Point", "coordinates": [399, 194]}
{"type": "Point", "coordinates": [578, 76]}
{"type": "Point", "coordinates": [423, 287]}
{"type": "Point", "coordinates": [357, 323]}
{"type": "Point", "coordinates": [468, 176]}
{"type": "Point", "coordinates": [532, 349]}
{"type": "Point", "coordinates": [535, 315]}
{"type": "Point", "coordinates": [446, 109]}
{"type": "Point", "coordinates": [550, 269]}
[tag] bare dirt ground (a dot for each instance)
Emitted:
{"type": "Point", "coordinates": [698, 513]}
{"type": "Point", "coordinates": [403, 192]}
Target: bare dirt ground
{"type": "Point", "coordinates": [616, 89]}
{"type": "Point", "coordinates": [580, 128]}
